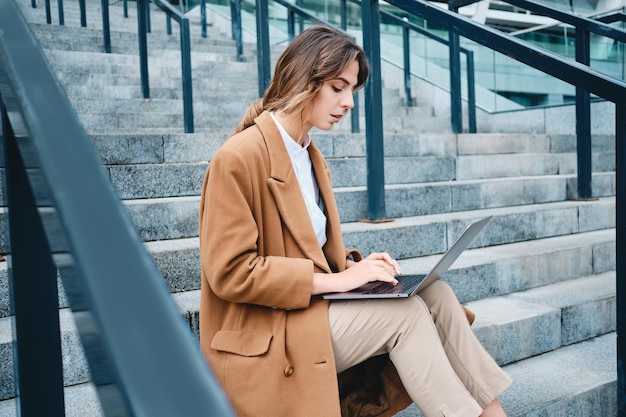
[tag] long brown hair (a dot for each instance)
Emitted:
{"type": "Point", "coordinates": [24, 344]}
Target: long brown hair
{"type": "Point", "coordinates": [318, 54]}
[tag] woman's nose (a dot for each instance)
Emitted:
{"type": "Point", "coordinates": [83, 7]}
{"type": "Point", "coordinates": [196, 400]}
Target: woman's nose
{"type": "Point", "coordinates": [348, 101]}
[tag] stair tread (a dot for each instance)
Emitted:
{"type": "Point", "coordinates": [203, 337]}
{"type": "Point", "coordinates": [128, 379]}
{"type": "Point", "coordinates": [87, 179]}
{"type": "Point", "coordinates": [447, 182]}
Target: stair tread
{"type": "Point", "coordinates": [570, 381]}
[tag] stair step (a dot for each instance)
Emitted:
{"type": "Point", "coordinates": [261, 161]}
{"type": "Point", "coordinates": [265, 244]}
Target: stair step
{"type": "Point", "coordinates": [402, 236]}
{"type": "Point", "coordinates": [215, 86]}
{"type": "Point", "coordinates": [545, 318]}
{"type": "Point", "coordinates": [505, 165]}
{"type": "Point", "coordinates": [100, 63]}
{"type": "Point", "coordinates": [176, 217]}
{"type": "Point", "coordinates": [587, 305]}
{"type": "Point", "coordinates": [81, 400]}
{"type": "Point", "coordinates": [477, 274]}
{"type": "Point", "coordinates": [341, 145]}
{"type": "Point", "coordinates": [588, 367]}
{"type": "Point", "coordinates": [412, 236]}
{"type": "Point", "coordinates": [577, 380]}
{"type": "Point", "coordinates": [404, 200]}
{"type": "Point", "coordinates": [113, 121]}
{"type": "Point", "coordinates": [500, 320]}
{"type": "Point", "coordinates": [503, 143]}
{"type": "Point", "coordinates": [145, 148]}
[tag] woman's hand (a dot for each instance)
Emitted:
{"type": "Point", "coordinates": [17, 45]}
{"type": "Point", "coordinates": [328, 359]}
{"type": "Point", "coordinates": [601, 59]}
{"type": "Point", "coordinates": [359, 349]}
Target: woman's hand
{"type": "Point", "coordinates": [376, 267]}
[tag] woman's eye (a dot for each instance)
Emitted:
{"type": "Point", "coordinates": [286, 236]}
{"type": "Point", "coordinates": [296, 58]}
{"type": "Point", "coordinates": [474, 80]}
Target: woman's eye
{"type": "Point", "coordinates": [336, 89]}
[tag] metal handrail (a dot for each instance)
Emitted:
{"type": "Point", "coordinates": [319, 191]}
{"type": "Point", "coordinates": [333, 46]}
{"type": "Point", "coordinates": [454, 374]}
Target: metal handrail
{"type": "Point", "coordinates": [143, 27]}
{"type": "Point", "coordinates": [613, 17]}
{"type": "Point", "coordinates": [469, 56]}
{"type": "Point", "coordinates": [584, 27]}
{"type": "Point", "coordinates": [185, 55]}
{"type": "Point", "coordinates": [182, 10]}
{"type": "Point", "coordinates": [613, 11]}
{"type": "Point", "coordinates": [454, 95]}
{"type": "Point", "coordinates": [106, 27]}
{"type": "Point", "coordinates": [586, 23]}
{"type": "Point", "coordinates": [143, 357]}
{"type": "Point", "coordinates": [294, 9]}
{"type": "Point", "coordinates": [553, 64]}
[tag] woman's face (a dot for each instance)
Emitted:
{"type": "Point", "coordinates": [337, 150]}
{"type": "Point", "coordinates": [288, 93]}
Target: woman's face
{"type": "Point", "coordinates": [333, 100]}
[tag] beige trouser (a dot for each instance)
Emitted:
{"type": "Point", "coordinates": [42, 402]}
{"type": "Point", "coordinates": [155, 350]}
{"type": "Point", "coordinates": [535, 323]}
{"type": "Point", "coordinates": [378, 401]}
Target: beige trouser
{"type": "Point", "coordinates": [442, 365]}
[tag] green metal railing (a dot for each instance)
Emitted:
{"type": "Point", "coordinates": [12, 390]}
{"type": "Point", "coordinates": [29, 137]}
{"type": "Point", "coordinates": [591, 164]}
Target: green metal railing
{"type": "Point", "coordinates": [65, 215]}
{"type": "Point", "coordinates": [583, 28]}
{"type": "Point", "coordinates": [106, 28]}
{"type": "Point", "coordinates": [185, 54]}
{"type": "Point", "coordinates": [143, 28]}
{"type": "Point", "coordinates": [455, 95]}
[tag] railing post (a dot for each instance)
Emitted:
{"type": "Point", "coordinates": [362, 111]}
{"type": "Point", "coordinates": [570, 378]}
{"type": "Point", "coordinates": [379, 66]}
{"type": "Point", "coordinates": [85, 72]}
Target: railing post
{"type": "Point", "coordinates": [471, 92]}
{"type": "Point", "coordinates": [291, 25]}
{"type": "Point", "coordinates": [83, 13]}
{"type": "Point", "coordinates": [355, 123]}
{"type": "Point", "coordinates": [185, 56]}
{"type": "Point", "coordinates": [143, 48]}
{"type": "Point", "coordinates": [407, 65]}
{"type": "Point", "coordinates": [263, 45]}
{"type": "Point", "coordinates": [61, 12]}
{"type": "Point", "coordinates": [620, 252]}
{"type": "Point", "coordinates": [168, 22]}
{"type": "Point", "coordinates": [48, 13]}
{"type": "Point", "coordinates": [235, 13]}
{"type": "Point", "coordinates": [106, 29]}
{"type": "Point", "coordinates": [354, 114]}
{"type": "Point", "coordinates": [456, 107]}
{"type": "Point", "coordinates": [300, 4]}
{"type": "Point", "coordinates": [203, 17]}
{"type": "Point", "coordinates": [34, 297]}
{"type": "Point", "coordinates": [583, 121]}
{"type": "Point", "coordinates": [343, 7]}
{"type": "Point", "coordinates": [374, 141]}
{"type": "Point", "coordinates": [148, 19]}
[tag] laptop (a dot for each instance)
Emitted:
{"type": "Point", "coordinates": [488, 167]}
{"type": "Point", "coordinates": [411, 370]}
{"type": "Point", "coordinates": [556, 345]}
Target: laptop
{"type": "Point", "coordinates": [409, 285]}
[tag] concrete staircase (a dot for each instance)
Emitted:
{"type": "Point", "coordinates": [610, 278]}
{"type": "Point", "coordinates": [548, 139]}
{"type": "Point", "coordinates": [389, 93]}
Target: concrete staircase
{"type": "Point", "coordinates": [541, 276]}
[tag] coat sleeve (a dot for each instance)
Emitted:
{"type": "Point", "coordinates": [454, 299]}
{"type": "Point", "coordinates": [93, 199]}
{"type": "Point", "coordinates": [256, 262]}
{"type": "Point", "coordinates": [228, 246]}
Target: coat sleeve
{"type": "Point", "coordinates": [229, 241]}
{"type": "Point", "coordinates": [354, 255]}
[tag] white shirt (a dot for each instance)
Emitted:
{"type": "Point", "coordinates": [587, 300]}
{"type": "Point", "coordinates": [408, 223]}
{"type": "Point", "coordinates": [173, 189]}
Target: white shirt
{"type": "Point", "coordinates": [301, 162]}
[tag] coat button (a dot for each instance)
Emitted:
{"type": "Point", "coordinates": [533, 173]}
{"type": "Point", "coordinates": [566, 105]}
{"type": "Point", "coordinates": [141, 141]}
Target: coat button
{"type": "Point", "coordinates": [289, 370]}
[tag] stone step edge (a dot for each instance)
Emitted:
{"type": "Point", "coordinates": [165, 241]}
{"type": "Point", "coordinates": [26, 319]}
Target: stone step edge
{"type": "Point", "coordinates": [524, 397]}
{"type": "Point", "coordinates": [489, 317]}
{"type": "Point", "coordinates": [178, 261]}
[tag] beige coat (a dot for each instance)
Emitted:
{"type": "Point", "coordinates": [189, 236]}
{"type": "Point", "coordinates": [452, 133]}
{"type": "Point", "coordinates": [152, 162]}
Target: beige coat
{"type": "Point", "coordinates": [265, 337]}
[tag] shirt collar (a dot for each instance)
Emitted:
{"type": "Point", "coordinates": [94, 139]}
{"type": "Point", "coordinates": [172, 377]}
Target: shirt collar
{"type": "Point", "coordinates": [292, 146]}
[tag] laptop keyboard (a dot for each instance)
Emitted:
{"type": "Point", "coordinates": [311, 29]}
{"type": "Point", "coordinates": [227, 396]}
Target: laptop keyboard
{"type": "Point", "coordinates": [404, 282]}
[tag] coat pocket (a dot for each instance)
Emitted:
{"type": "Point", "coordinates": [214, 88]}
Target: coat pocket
{"type": "Point", "coordinates": [242, 343]}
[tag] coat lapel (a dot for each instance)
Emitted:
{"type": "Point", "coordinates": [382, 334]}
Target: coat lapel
{"type": "Point", "coordinates": [285, 188]}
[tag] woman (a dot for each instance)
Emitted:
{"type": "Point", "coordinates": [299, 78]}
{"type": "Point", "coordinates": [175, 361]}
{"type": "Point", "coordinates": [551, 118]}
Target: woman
{"type": "Point", "coordinates": [270, 242]}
